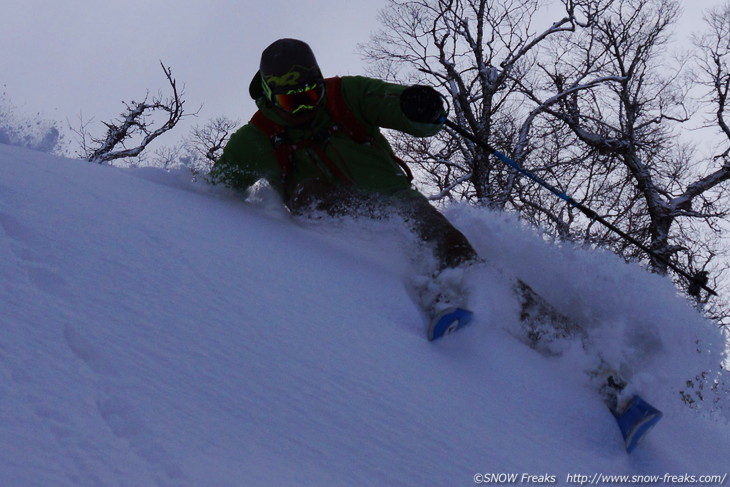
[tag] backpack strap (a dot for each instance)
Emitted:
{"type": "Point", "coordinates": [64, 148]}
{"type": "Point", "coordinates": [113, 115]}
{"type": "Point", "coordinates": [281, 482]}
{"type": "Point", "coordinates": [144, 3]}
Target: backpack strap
{"type": "Point", "coordinates": [283, 150]}
{"type": "Point", "coordinates": [346, 121]}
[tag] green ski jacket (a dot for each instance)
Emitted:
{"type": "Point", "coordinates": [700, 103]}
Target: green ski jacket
{"type": "Point", "coordinates": [249, 155]}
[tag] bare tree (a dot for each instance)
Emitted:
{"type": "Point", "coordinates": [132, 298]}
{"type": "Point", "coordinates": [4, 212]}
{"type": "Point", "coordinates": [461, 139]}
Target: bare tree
{"type": "Point", "coordinates": [594, 103]}
{"type": "Point", "coordinates": [714, 76]}
{"type": "Point", "coordinates": [136, 121]}
{"type": "Point", "coordinates": [713, 73]}
{"type": "Point", "coordinates": [205, 144]}
{"type": "Point", "coordinates": [668, 200]}
{"type": "Point", "coordinates": [475, 50]}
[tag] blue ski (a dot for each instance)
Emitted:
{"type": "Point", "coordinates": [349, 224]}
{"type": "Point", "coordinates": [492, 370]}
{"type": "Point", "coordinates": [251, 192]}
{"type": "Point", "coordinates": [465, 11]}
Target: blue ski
{"type": "Point", "coordinates": [448, 321]}
{"type": "Point", "coordinates": [636, 421]}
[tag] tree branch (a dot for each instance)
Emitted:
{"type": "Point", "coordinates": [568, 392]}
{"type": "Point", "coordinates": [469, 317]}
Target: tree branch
{"type": "Point", "coordinates": [135, 122]}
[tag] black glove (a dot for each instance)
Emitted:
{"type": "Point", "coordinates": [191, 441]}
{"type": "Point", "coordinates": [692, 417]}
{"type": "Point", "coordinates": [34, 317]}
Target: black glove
{"type": "Point", "coordinates": [422, 104]}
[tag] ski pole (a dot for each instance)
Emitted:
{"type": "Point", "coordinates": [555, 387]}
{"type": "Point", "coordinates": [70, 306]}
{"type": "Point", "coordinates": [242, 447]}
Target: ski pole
{"type": "Point", "coordinates": [575, 204]}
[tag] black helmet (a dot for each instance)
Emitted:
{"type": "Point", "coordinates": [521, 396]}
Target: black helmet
{"type": "Point", "coordinates": [288, 64]}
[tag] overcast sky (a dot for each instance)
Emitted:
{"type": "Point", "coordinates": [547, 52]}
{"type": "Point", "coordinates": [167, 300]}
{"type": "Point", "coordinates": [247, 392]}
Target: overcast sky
{"type": "Point", "coordinates": [66, 57]}
{"type": "Point", "coordinates": [63, 58]}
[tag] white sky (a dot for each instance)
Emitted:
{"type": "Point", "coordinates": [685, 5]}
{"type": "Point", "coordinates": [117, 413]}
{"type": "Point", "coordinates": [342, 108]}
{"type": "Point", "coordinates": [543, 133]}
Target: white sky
{"type": "Point", "coordinates": [62, 58]}
{"type": "Point", "coordinates": [71, 57]}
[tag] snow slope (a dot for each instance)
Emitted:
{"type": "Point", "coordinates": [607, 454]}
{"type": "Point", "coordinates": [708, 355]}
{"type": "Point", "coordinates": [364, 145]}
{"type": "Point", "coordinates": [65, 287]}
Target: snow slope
{"type": "Point", "coordinates": [161, 332]}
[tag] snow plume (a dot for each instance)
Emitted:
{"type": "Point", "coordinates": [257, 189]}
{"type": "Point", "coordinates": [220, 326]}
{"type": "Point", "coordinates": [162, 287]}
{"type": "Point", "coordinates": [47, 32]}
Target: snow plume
{"type": "Point", "coordinates": [631, 321]}
{"type": "Point", "coordinates": [157, 331]}
{"type": "Point", "coordinates": [31, 133]}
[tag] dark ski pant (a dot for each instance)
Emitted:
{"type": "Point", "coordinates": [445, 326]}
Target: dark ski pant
{"type": "Point", "coordinates": [451, 248]}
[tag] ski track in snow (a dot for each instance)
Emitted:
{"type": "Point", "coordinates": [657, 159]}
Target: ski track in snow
{"type": "Point", "coordinates": [161, 332]}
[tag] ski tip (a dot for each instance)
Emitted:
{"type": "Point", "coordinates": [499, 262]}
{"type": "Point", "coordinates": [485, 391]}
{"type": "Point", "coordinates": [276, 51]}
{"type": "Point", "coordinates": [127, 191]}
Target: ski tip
{"type": "Point", "coordinates": [636, 421]}
{"type": "Point", "coordinates": [448, 321]}
{"type": "Point", "coordinates": [632, 440]}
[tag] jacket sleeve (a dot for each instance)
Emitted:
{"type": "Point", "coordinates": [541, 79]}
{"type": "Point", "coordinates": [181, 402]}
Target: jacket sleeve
{"type": "Point", "coordinates": [247, 158]}
{"type": "Point", "coordinates": [377, 104]}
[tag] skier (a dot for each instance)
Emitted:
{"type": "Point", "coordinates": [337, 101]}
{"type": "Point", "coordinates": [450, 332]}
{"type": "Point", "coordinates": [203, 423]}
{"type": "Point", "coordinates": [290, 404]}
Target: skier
{"type": "Point", "coordinates": [318, 143]}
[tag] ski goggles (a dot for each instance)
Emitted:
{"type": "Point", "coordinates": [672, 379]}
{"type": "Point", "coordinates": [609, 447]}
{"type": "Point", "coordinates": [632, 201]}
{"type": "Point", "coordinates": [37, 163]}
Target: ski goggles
{"type": "Point", "coordinates": [306, 98]}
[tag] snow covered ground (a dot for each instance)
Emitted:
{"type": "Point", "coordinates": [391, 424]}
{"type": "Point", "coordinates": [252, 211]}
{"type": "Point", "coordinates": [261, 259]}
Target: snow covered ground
{"type": "Point", "coordinates": [161, 332]}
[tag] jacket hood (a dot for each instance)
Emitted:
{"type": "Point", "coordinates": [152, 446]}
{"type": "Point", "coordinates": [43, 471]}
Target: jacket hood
{"type": "Point", "coordinates": [255, 89]}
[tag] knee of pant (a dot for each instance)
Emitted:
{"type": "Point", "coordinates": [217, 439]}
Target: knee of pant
{"type": "Point", "coordinates": [313, 194]}
{"type": "Point", "coordinates": [455, 255]}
